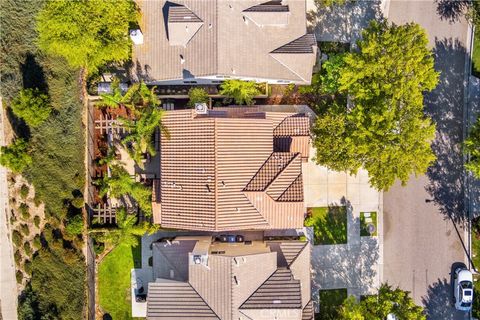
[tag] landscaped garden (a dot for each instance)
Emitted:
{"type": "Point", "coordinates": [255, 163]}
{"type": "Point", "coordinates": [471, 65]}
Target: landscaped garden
{"type": "Point", "coordinates": [329, 224]}
{"type": "Point", "coordinates": [114, 280]}
{"type": "Point", "coordinates": [330, 302]}
{"type": "Point", "coordinates": [368, 224]}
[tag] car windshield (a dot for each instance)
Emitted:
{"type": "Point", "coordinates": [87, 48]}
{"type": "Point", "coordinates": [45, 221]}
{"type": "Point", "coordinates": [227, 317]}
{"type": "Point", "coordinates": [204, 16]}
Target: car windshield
{"type": "Point", "coordinates": [467, 293]}
{"type": "Point", "coordinates": [466, 285]}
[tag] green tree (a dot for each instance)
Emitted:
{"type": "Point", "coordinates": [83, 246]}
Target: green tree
{"type": "Point", "coordinates": [331, 3]}
{"type": "Point", "coordinates": [15, 156]}
{"type": "Point", "coordinates": [197, 95]}
{"type": "Point", "coordinates": [384, 129]}
{"type": "Point", "coordinates": [387, 301]}
{"type": "Point", "coordinates": [88, 34]}
{"type": "Point", "coordinates": [32, 106]}
{"type": "Point", "coordinates": [242, 92]}
{"type": "Point", "coordinates": [472, 149]}
{"type": "Point", "coordinates": [121, 184]}
{"type": "Point", "coordinates": [74, 225]}
{"type": "Point", "coordinates": [141, 134]}
{"type": "Point", "coordinates": [127, 231]}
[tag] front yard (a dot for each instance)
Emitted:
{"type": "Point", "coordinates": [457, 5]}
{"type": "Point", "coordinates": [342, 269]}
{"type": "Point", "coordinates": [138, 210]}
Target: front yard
{"type": "Point", "coordinates": [330, 302]}
{"type": "Point", "coordinates": [114, 280]}
{"type": "Point", "coordinates": [329, 224]}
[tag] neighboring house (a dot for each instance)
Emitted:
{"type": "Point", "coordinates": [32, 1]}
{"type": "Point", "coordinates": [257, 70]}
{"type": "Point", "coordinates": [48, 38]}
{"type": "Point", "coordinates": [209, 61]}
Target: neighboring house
{"type": "Point", "coordinates": [208, 41]}
{"type": "Point", "coordinates": [232, 168]}
{"type": "Point", "coordinates": [198, 278]}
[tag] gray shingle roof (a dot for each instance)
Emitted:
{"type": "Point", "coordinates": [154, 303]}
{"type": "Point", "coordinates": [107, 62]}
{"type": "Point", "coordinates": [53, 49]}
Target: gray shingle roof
{"type": "Point", "coordinates": [176, 300]}
{"type": "Point", "coordinates": [280, 291]}
{"type": "Point", "coordinates": [181, 14]}
{"type": "Point", "coordinates": [271, 6]}
{"type": "Point", "coordinates": [300, 45]}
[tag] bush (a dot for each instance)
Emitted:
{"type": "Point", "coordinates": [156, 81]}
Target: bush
{"type": "Point", "coordinates": [98, 247]}
{"type": "Point", "coordinates": [197, 95]}
{"type": "Point", "coordinates": [24, 190]}
{"type": "Point", "coordinates": [32, 106]}
{"type": "Point", "coordinates": [27, 249]}
{"type": "Point", "coordinates": [24, 229]}
{"type": "Point", "coordinates": [37, 243]}
{"type": "Point", "coordinates": [19, 276]}
{"type": "Point", "coordinates": [15, 156]}
{"type": "Point", "coordinates": [36, 221]}
{"type": "Point", "coordinates": [78, 202]}
{"type": "Point", "coordinates": [23, 208]}
{"type": "Point", "coordinates": [74, 226]}
{"type": "Point", "coordinates": [242, 92]}
{"type": "Point", "coordinates": [17, 238]}
{"type": "Point", "coordinates": [13, 217]}
{"type": "Point", "coordinates": [27, 267]}
{"type": "Point", "coordinates": [18, 257]}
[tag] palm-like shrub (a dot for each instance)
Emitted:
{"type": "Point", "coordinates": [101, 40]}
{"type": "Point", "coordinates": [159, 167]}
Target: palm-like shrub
{"type": "Point", "coordinates": [242, 92]}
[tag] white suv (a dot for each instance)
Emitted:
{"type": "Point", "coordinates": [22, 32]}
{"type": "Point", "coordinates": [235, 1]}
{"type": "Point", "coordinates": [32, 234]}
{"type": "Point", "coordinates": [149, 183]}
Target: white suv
{"type": "Point", "coordinates": [463, 289]}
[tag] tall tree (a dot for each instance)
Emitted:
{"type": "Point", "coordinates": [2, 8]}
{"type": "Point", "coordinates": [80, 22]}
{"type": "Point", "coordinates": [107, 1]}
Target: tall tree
{"type": "Point", "coordinates": [121, 184]}
{"type": "Point", "coordinates": [472, 148]}
{"type": "Point", "coordinates": [242, 92]}
{"type": "Point", "coordinates": [386, 302]}
{"type": "Point", "coordinates": [141, 135]}
{"type": "Point", "coordinates": [15, 156]}
{"type": "Point", "coordinates": [385, 130]}
{"type": "Point", "coordinates": [32, 106]}
{"type": "Point", "coordinates": [87, 33]}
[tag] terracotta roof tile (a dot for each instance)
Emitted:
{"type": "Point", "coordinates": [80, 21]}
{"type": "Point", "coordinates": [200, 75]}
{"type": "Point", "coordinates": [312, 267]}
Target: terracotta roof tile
{"type": "Point", "coordinates": [274, 165]}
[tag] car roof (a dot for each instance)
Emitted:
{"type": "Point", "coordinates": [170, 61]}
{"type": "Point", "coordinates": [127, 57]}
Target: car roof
{"type": "Point", "coordinates": [465, 275]}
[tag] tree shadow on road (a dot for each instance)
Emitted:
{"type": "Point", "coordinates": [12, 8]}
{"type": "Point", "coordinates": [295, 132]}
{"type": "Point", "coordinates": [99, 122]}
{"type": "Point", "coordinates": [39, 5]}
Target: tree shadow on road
{"type": "Point", "coordinates": [439, 301]}
{"type": "Point", "coordinates": [445, 106]}
{"type": "Point", "coordinates": [451, 10]}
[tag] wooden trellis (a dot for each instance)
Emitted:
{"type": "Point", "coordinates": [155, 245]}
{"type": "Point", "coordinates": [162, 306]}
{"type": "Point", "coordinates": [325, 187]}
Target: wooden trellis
{"type": "Point", "coordinates": [106, 124]}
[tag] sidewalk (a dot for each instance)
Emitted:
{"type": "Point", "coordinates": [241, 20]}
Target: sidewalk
{"type": "Point", "coordinates": [8, 283]}
{"type": "Point", "coordinates": [358, 264]}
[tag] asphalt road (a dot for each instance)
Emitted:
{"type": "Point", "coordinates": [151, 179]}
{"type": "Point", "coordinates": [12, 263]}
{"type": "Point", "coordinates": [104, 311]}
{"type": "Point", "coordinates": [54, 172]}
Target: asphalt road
{"type": "Point", "coordinates": [420, 239]}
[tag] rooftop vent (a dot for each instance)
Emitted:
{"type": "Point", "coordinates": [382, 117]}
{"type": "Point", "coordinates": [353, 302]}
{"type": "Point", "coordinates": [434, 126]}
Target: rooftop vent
{"type": "Point", "coordinates": [136, 36]}
{"type": "Point", "coordinates": [182, 60]}
{"type": "Point", "coordinates": [201, 108]}
{"type": "Point", "coordinates": [197, 259]}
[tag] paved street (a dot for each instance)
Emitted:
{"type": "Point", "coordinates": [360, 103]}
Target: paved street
{"type": "Point", "coordinates": [8, 284]}
{"type": "Point", "coordinates": [420, 241]}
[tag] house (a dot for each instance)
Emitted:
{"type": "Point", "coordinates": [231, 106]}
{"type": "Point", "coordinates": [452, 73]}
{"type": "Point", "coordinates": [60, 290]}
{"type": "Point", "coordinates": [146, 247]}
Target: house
{"type": "Point", "coordinates": [197, 277]}
{"type": "Point", "coordinates": [208, 41]}
{"type": "Point", "coordinates": [233, 168]}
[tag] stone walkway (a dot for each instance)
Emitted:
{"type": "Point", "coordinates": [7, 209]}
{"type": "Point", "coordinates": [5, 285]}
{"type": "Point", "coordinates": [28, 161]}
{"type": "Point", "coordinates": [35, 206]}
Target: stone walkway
{"type": "Point", "coordinates": [358, 264]}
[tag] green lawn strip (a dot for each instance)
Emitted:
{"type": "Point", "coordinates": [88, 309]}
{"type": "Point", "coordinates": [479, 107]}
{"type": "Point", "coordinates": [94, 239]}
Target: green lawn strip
{"type": "Point", "coordinates": [476, 54]}
{"type": "Point", "coordinates": [363, 225]}
{"type": "Point", "coordinates": [330, 302]}
{"type": "Point", "coordinates": [476, 263]}
{"type": "Point", "coordinates": [329, 224]}
{"type": "Point", "coordinates": [114, 280]}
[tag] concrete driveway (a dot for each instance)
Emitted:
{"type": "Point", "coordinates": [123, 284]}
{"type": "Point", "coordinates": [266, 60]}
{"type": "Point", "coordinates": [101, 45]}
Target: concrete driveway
{"type": "Point", "coordinates": [423, 220]}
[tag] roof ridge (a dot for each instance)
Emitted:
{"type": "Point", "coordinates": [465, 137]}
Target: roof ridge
{"type": "Point", "coordinates": [296, 155]}
{"type": "Point", "coordinates": [203, 300]}
{"type": "Point", "coordinates": [266, 162]}
{"type": "Point", "coordinates": [290, 186]}
{"type": "Point", "coordinates": [298, 254]}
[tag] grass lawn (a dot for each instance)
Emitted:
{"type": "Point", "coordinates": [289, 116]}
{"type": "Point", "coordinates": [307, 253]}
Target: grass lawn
{"type": "Point", "coordinates": [330, 302]}
{"type": "Point", "coordinates": [363, 225]}
{"type": "Point", "coordinates": [114, 280]}
{"type": "Point", "coordinates": [476, 54]}
{"type": "Point", "coordinates": [329, 224]}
